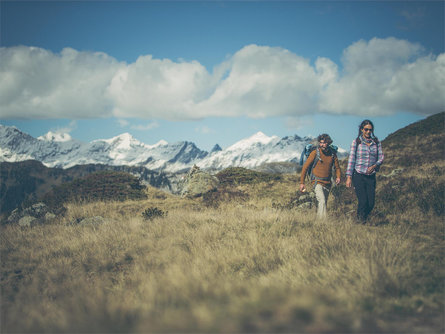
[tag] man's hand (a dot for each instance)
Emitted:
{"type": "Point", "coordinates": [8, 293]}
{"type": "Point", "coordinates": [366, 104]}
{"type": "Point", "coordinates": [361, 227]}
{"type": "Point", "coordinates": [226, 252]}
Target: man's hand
{"type": "Point", "coordinates": [337, 181]}
{"type": "Point", "coordinates": [302, 188]}
{"type": "Point", "coordinates": [348, 182]}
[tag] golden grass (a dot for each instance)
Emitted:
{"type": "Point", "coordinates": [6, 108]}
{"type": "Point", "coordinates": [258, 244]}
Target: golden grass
{"type": "Point", "coordinates": [243, 267]}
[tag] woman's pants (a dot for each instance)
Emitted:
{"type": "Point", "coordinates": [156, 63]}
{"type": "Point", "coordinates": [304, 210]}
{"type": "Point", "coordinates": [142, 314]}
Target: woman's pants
{"type": "Point", "coordinates": [365, 190]}
{"type": "Point", "coordinates": [321, 194]}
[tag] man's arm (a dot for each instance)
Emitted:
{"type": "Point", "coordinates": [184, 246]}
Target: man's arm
{"type": "Point", "coordinates": [337, 170]}
{"type": "Point", "coordinates": [306, 165]}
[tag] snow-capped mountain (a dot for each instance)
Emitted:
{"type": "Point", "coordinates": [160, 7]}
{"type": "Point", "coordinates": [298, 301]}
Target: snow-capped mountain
{"type": "Point", "coordinates": [60, 150]}
{"type": "Point", "coordinates": [256, 150]}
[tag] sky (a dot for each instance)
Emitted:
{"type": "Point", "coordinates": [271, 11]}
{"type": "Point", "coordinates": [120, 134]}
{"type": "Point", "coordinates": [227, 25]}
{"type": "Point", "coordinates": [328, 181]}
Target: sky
{"type": "Point", "coordinates": [215, 72]}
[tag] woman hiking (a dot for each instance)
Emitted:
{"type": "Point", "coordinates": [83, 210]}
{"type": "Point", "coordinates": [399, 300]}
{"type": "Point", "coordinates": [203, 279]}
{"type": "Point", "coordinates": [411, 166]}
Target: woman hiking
{"type": "Point", "coordinates": [365, 158]}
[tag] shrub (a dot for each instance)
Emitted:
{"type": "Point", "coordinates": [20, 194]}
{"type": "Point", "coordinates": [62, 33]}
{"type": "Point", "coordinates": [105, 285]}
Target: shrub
{"type": "Point", "coordinates": [342, 196]}
{"type": "Point", "coordinates": [153, 212]}
{"type": "Point", "coordinates": [99, 186]}
{"type": "Point", "coordinates": [240, 175]}
{"type": "Point", "coordinates": [433, 200]}
{"type": "Point", "coordinates": [224, 194]}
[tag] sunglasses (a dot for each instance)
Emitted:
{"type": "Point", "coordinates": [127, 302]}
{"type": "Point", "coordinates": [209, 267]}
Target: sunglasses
{"type": "Point", "coordinates": [367, 129]}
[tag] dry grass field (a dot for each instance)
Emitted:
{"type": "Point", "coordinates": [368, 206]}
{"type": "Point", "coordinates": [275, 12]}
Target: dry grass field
{"type": "Point", "coordinates": [241, 267]}
{"type": "Point", "coordinates": [242, 263]}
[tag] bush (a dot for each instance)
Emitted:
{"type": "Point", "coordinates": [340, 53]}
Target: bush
{"type": "Point", "coordinates": [99, 186]}
{"type": "Point", "coordinates": [152, 213]}
{"type": "Point", "coordinates": [404, 193]}
{"type": "Point", "coordinates": [240, 175]}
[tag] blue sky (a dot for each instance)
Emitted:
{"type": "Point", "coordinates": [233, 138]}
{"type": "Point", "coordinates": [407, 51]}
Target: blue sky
{"type": "Point", "coordinates": [216, 72]}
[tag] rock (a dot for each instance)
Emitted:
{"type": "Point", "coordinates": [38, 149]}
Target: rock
{"type": "Point", "coordinates": [37, 210]}
{"type": "Point", "coordinates": [14, 217]}
{"type": "Point", "coordinates": [92, 221]}
{"type": "Point", "coordinates": [395, 172]}
{"type": "Point", "coordinates": [305, 206]}
{"type": "Point", "coordinates": [35, 214]}
{"type": "Point", "coordinates": [27, 221]}
{"type": "Point", "coordinates": [49, 217]}
{"type": "Point", "coordinates": [303, 201]}
{"type": "Point", "coordinates": [197, 183]}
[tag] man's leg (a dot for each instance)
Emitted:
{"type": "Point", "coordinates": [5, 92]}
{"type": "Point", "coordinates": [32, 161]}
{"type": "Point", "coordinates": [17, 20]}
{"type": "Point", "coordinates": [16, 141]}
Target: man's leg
{"type": "Point", "coordinates": [321, 196]}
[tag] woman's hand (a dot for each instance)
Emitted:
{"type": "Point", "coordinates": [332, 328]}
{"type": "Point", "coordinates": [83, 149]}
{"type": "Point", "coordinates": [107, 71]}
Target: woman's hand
{"type": "Point", "coordinates": [302, 188]}
{"type": "Point", "coordinates": [370, 169]}
{"type": "Point", "coordinates": [348, 182]}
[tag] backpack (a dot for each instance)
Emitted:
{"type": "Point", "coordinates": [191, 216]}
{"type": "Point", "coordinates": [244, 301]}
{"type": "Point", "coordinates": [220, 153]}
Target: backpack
{"type": "Point", "coordinates": [305, 154]}
{"type": "Point", "coordinates": [309, 148]}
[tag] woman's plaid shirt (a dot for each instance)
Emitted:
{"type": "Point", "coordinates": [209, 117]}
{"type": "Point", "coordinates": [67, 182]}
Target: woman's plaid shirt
{"type": "Point", "coordinates": [365, 157]}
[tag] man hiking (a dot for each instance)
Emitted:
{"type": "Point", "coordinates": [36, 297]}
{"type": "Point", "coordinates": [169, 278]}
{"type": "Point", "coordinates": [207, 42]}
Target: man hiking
{"type": "Point", "coordinates": [365, 158]}
{"type": "Point", "coordinates": [319, 164]}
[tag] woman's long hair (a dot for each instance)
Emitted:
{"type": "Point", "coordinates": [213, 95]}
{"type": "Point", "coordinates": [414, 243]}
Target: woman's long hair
{"type": "Point", "coordinates": [360, 128]}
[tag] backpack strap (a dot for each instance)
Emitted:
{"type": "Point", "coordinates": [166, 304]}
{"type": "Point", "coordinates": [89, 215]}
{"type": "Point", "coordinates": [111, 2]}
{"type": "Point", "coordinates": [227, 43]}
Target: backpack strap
{"type": "Point", "coordinates": [311, 175]}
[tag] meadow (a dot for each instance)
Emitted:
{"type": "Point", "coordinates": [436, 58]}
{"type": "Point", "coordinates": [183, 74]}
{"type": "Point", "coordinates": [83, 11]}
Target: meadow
{"type": "Point", "coordinates": [242, 259]}
{"type": "Point", "coordinates": [243, 266]}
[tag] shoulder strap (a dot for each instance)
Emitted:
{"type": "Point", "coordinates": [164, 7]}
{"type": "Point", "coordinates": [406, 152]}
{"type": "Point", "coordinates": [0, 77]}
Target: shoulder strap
{"type": "Point", "coordinates": [357, 143]}
{"type": "Point", "coordinates": [317, 157]}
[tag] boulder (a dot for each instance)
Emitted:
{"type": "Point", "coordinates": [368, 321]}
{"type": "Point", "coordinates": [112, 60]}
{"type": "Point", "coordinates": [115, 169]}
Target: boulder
{"type": "Point", "coordinates": [92, 221]}
{"type": "Point", "coordinates": [36, 214]}
{"type": "Point", "coordinates": [49, 217]}
{"type": "Point", "coordinates": [394, 172]}
{"type": "Point", "coordinates": [14, 217]}
{"type": "Point", "coordinates": [27, 221]}
{"type": "Point", "coordinates": [303, 201]}
{"type": "Point", "coordinates": [37, 210]}
{"type": "Point", "coordinates": [197, 183]}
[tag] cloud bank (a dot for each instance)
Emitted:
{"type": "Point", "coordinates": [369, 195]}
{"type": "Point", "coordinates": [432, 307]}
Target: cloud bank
{"type": "Point", "coordinates": [376, 77]}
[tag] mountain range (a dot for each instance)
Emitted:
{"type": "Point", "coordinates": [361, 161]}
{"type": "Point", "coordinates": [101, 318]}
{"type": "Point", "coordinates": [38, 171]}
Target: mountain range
{"type": "Point", "coordinates": [62, 151]}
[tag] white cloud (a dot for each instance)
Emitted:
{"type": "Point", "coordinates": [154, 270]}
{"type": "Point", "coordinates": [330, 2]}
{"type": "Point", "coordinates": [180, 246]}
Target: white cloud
{"type": "Point", "coordinates": [67, 129]}
{"type": "Point", "coordinates": [263, 81]}
{"type": "Point", "coordinates": [36, 83]}
{"type": "Point", "coordinates": [157, 88]}
{"type": "Point", "coordinates": [376, 77]}
{"type": "Point", "coordinates": [386, 76]}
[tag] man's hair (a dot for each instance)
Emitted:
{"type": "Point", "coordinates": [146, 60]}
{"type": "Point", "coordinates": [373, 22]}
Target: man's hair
{"type": "Point", "coordinates": [325, 137]}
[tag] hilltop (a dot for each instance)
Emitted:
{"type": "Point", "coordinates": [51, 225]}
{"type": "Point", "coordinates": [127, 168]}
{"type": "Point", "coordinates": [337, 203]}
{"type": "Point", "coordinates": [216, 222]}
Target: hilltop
{"type": "Point", "coordinates": [419, 143]}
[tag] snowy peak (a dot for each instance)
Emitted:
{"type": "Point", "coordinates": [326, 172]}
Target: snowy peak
{"type": "Point", "coordinates": [257, 139]}
{"type": "Point", "coordinates": [123, 141]}
{"type": "Point", "coordinates": [215, 149]}
{"type": "Point", "coordinates": [162, 142]}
